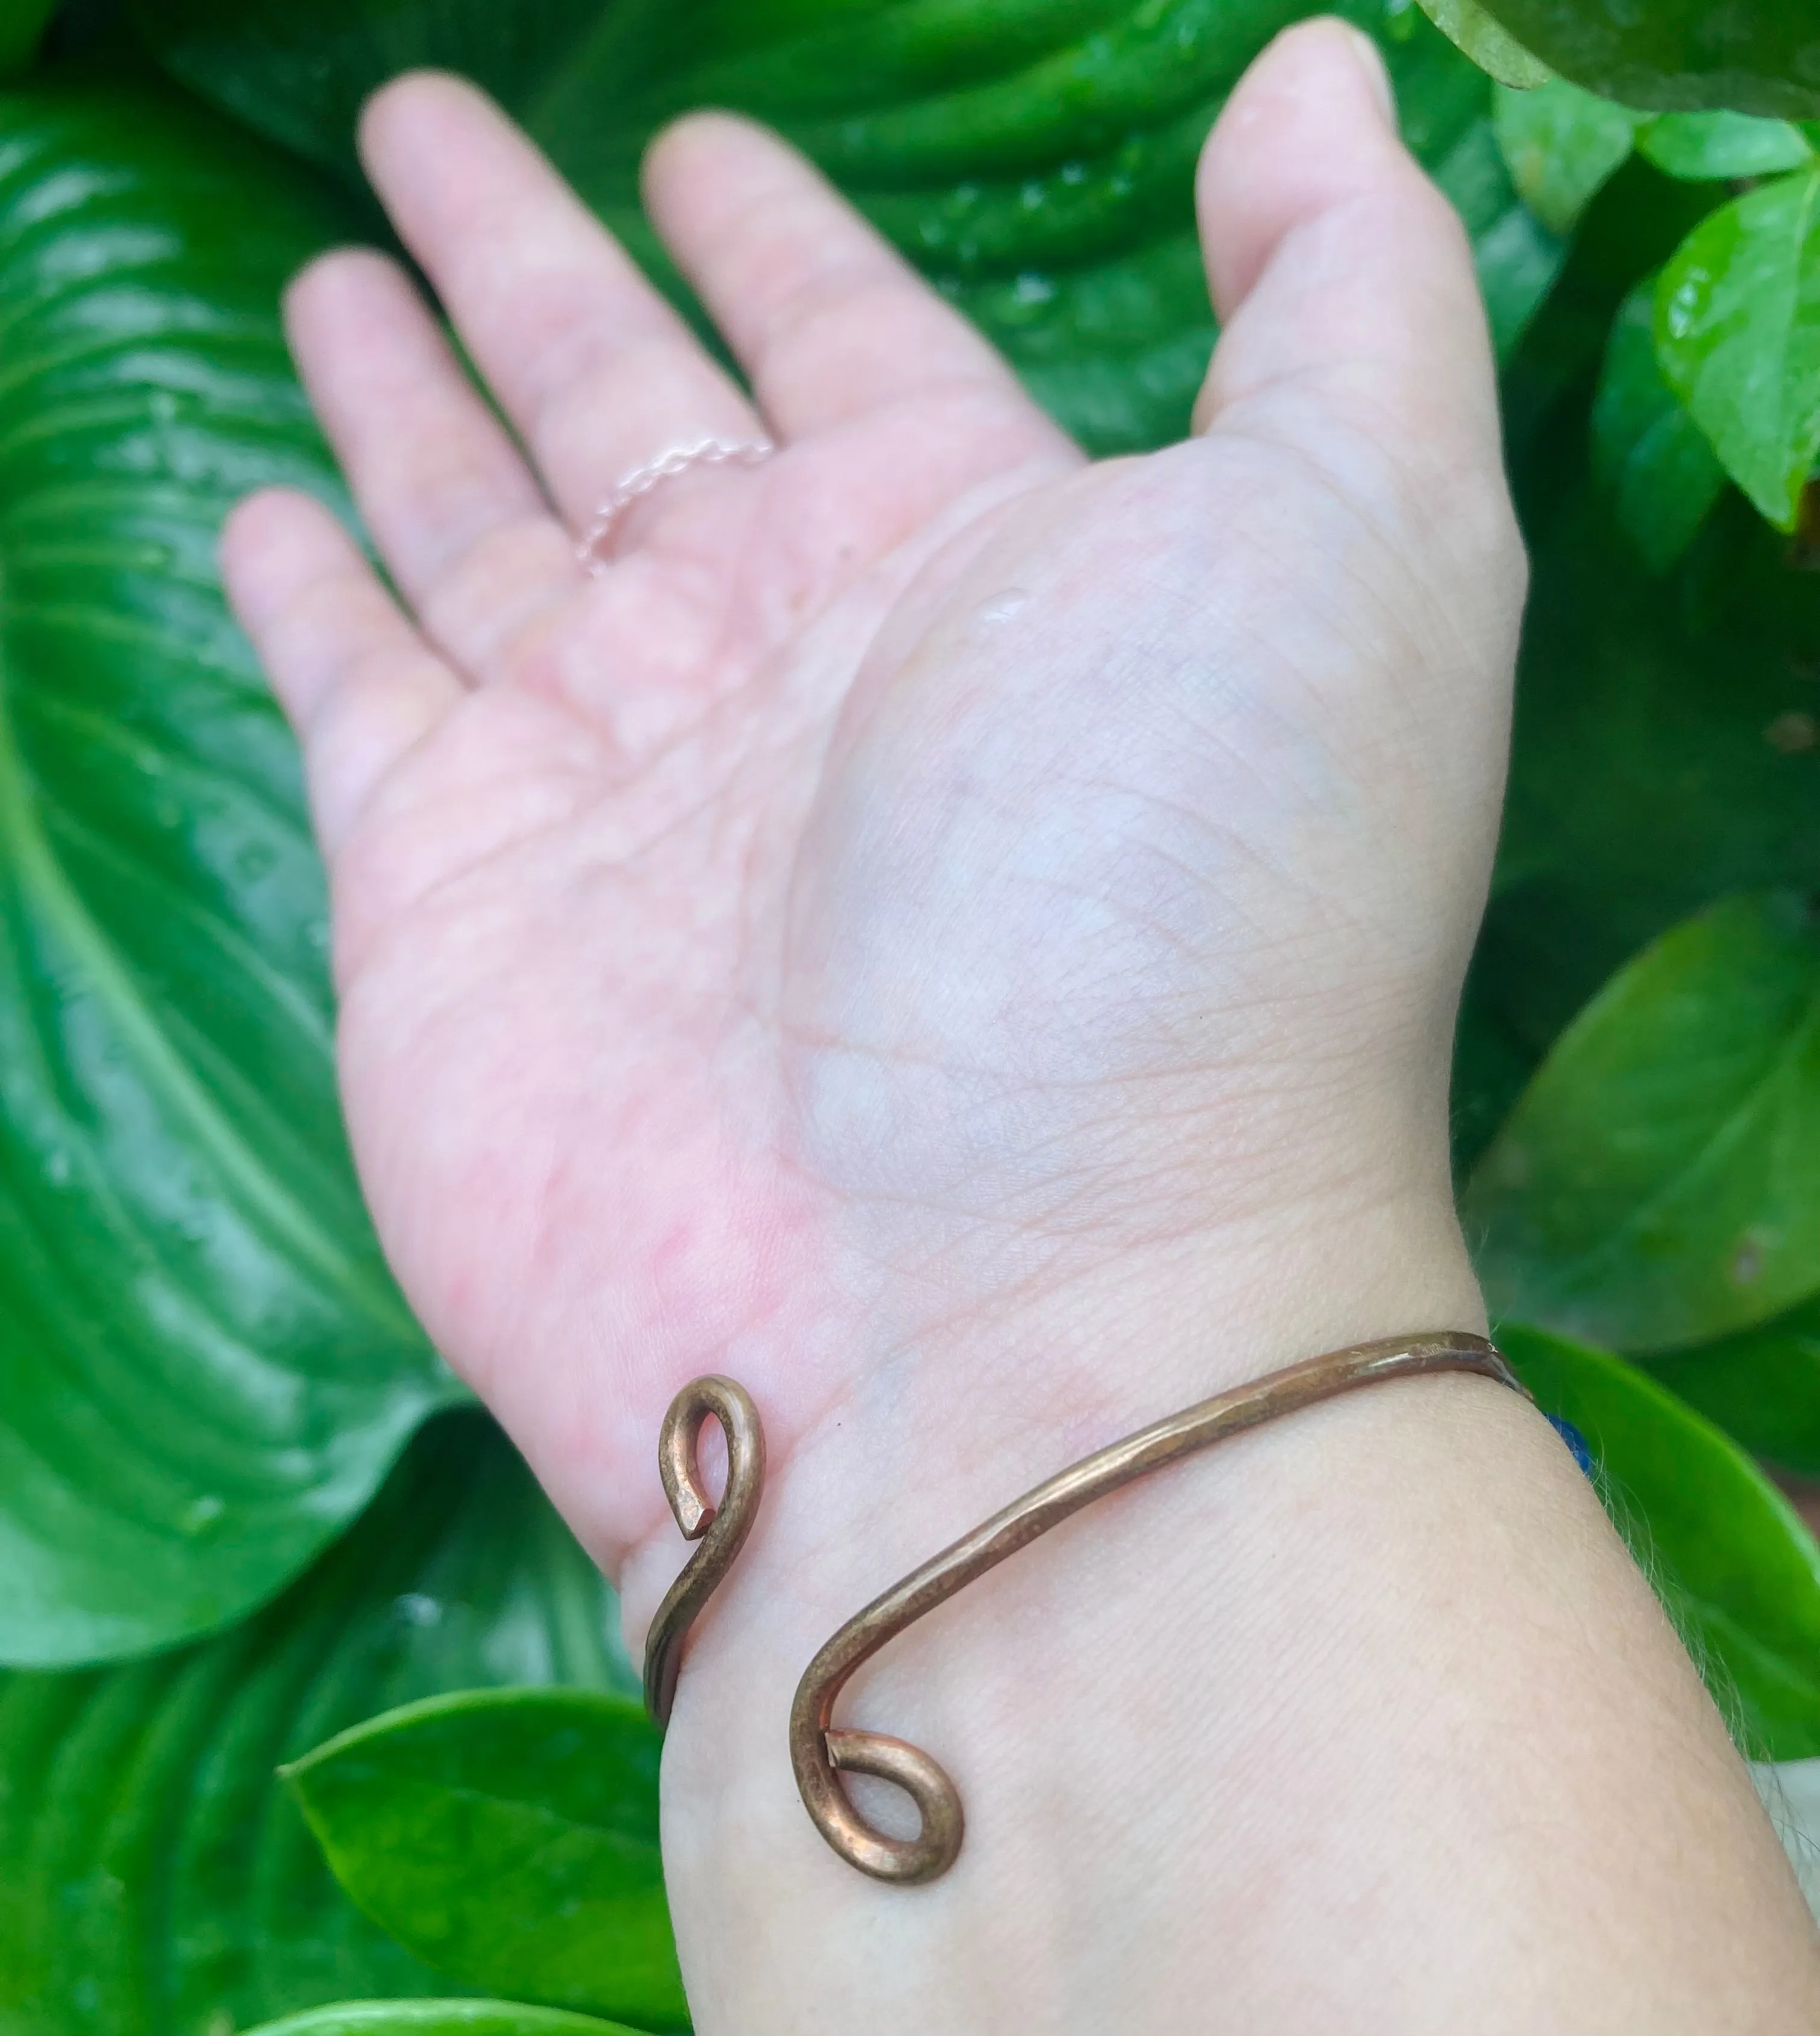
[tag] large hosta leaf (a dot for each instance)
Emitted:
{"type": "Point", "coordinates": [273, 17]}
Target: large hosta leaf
{"type": "Point", "coordinates": [156, 1879]}
{"type": "Point", "coordinates": [1756, 56]}
{"type": "Point", "coordinates": [21, 23]}
{"type": "Point", "coordinates": [1658, 1182]}
{"type": "Point", "coordinates": [299, 74]}
{"type": "Point", "coordinates": [205, 1369]}
{"type": "Point", "coordinates": [509, 1837]}
{"type": "Point", "coordinates": [1736, 1570]}
{"type": "Point", "coordinates": [1034, 157]}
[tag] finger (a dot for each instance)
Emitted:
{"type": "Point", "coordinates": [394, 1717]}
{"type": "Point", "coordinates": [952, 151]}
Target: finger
{"type": "Point", "coordinates": [825, 317]}
{"type": "Point", "coordinates": [1343, 277]}
{"type": "Point", "coordinates": [360, 686]}
{"type": "Point", "coordinates": [462, 527]}
{"type": "Point", "coordinates": [598, 373]}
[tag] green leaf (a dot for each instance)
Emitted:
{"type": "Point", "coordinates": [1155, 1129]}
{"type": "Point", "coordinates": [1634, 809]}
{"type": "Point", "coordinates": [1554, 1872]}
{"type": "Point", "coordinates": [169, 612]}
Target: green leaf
{"type": "Point", "coordinates": [510, 1838]}
{"type": "Point", "coordinates": [22, 25]}
{"type": "Point", "coordinates": [299, 75]}
{"type": "Point", "coordinates": [1736, 1570]}
{"type": "Point", "coordinates": [159, 1879]}
{"type": "Point", "coordinates": [1035, 158]}
{"type": "Point", "coordinates": [1717, 146]}
{"type": "Point", "coordinates": [439, 2018]}
{"type": "Point", "coordinates": [1658, 1182]}
{"type": "Point", "coordinates": [1738, 335]}
{"type": "Point", "coordinates": [1647, 450]}
{"type": "Point", "coordinates": [1762, 1387]}
{"type": "Point", "coordinates": [205, 1369]}
{"type": "Point", "coordinates": [1667, 753]}
{"type": "Point", "coordinates": [1562, 146]}
{"type": "Point", "coordinates": [1496, 51]}
{"type": "Point", "coordinates": [1754, 56]}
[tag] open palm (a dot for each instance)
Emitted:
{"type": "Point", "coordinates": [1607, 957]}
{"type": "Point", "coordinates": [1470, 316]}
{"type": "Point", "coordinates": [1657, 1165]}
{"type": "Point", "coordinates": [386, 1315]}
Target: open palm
{"type": "Point", "coordinates": [923, 876]}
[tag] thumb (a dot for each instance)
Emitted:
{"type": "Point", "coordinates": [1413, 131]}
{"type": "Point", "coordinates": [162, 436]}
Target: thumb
{"type": "Point", "coordinates": [1342, 278]}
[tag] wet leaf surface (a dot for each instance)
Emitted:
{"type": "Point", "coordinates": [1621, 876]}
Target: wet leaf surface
{"type": "Point", "coordinates": [158, 1880]}
{"type": "Point", "coordinates": [206, 1369]}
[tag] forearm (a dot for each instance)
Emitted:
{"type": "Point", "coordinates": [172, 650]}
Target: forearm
{"type": "Point", "coordinates": [1363, 1721]}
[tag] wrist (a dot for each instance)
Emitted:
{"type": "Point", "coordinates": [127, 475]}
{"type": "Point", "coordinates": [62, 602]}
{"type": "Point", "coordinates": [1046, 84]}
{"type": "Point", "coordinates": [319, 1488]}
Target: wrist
{"type": "Point", "coordinates": [1052, 1688]}
{"type": "Point", "coordinates": [1189, 1726]}
{"type": "Point", "coordinates": [944, 1416]}
{"type": "Point", "coordinates": [934, 1435]}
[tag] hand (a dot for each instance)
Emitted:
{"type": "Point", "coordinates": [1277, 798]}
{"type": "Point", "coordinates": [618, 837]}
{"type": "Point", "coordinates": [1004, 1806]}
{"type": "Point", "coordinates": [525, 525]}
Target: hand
{"type": "Point", "coordinates": [926, 875]}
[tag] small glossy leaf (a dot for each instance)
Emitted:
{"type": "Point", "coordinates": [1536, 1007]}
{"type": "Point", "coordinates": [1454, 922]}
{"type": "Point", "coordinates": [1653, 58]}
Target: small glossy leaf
{"type": "Point", "coordinates": [1496, 51]}
{"type": "Point", "coordinates": [439, 2018]}
{"type": "Point", "coordinates": [1657, 464]}
{"type": "Point", "coordinates": [1738, 333]}
{"type": "Point", "coordinates": [1562, 145]}
{"type": "Point", "coordinates": [205, 1366]}
{"type": "Point", "coordinates": [22, 25]}
{"type": "Point", "coordinates": [1754, 56]}
{"type": "Point", "coordinates": [1738, 325]}
{"type": "Point", "coordinates": [509, 1838]}
{"type": "Point", "coordinates": [158, 1878]}
{"type": "Point", "coordinates": [1736, 1568]}
{"type": "Point", "coordinates": [1762, 1387]}
{"type": "Point", "coordinates": [1701, 146]}
{"type": "Point", "coordinates": [1658, 1182]}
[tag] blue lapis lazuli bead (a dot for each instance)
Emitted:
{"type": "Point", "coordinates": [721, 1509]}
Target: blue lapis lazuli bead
{"type": "Point", "coordinates": [1577, 1443]}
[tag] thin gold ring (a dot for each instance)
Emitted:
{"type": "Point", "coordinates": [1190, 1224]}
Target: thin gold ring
{"type": "Point", "coordinates": [595, 547]}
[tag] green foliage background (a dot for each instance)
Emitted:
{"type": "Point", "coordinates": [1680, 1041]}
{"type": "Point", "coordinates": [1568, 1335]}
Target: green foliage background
{"type": "Point", "coordinates": [243, 1515]}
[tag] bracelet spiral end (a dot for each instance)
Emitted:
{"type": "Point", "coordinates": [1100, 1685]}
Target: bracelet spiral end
{"type": "Point", "coordinates": [721, 1531]}
{"type": "Point", "coordinates": [821, 1753]}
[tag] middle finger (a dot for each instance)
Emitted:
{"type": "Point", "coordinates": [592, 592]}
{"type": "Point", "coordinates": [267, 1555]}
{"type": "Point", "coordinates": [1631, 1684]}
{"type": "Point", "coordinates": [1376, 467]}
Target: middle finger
{"type": "Point", "coordinates": [598, 373]}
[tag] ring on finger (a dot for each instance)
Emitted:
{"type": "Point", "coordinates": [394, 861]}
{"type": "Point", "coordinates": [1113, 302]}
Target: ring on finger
{"type": "Point", "coordinates": [595, 548]}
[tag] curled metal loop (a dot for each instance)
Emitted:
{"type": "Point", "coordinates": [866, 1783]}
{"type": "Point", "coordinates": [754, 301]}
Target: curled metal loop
{"type": "Point", "coordinates": [820, 1750]}
{"type": "Point", "coordinates": [722, 1530]}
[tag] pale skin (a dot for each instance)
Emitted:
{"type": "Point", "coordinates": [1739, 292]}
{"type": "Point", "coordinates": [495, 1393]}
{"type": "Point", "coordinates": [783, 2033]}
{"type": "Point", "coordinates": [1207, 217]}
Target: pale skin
{"type": "Point", "coordinates": [966, 941]}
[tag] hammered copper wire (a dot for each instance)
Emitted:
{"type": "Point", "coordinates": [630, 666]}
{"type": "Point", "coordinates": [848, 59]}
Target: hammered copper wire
{"type": "Point", "coordinates": [820, 1750]}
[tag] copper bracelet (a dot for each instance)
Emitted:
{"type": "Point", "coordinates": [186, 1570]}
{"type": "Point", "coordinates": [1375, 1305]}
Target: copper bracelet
{"type": "Point", "coordinates": [821, 1750]}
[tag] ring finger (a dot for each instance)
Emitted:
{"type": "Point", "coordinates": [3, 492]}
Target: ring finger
{"type": "Point", "coordinates": [598, 373]}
